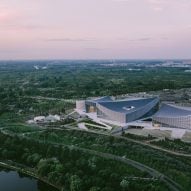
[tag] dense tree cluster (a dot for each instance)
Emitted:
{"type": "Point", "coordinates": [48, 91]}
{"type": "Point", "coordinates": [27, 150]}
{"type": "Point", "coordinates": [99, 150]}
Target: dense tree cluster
{"type": "Point", "coordinates": [74, 79]}
{"type": "Point", "coordinates": [73, 169]}
{"type": "Point", "coordinates": [178, 168]}
{"type": "Point", "coordinates": [175, 145]}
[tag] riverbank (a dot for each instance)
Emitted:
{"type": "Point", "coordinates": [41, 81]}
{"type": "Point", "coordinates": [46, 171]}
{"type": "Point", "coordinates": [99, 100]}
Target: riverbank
{"type": "Point", "coordinates": [10, 166]}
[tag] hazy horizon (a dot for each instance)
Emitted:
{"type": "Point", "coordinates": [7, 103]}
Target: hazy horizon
{"type": "Point", "coordinates": [95, 29]}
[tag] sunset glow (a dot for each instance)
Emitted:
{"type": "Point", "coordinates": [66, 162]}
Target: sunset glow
{"type": "Point", "coordinates": [95, 29]}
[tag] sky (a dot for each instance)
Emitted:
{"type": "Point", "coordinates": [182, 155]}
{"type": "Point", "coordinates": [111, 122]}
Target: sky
{"type": "Point", "coordinates": [95, 29]}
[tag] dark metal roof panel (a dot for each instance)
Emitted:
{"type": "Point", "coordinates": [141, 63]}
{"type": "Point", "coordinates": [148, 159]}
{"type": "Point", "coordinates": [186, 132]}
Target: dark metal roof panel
{"type": "Point", "coordinates": [168, 111]}
{"type": "Point", "coordinates": [127, 106]}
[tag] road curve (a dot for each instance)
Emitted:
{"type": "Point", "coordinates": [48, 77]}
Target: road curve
{"type": "Point", "coordinates": [154, 173]}
{"type": "Point", "coordinates": [135, 141]}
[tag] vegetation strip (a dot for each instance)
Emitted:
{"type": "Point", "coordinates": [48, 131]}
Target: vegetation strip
{"type": "Point", "coordinates": [132, 140]}
{"type": "Point", "coordinates": [154, 173]}
{"type": "Point", "coordinates": [71, 164]}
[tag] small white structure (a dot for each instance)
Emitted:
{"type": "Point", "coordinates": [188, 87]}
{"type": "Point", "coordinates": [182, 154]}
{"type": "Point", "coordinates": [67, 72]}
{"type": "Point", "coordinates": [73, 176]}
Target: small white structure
{"type": "Point", "coordinates": [45, 119]}
{"type": "Point", "coordinates": [30, 122]}
{"type": "Point", "coordinates": [36, 67]}
{"type": "Point", "coordinates": [52, 118]}
{"type": "Point", "coordinates": [39, 119]}
{"type": "Point", "coordinates": [49, 118]}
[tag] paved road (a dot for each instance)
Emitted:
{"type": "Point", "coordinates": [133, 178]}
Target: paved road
{"type": "Point", "coordinates": [154, 173]}
{"type": "Point", "coordinates": [155, 147]}
{"type": "Point", "coordinates": [51, 99]}
{"type": "Point", "coordinates": [120, 137]}
{"type": "Point", "coordinates": [135, 141]}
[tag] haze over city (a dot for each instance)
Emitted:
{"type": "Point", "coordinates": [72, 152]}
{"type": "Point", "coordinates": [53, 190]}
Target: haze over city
{"type": "Point", "coordinates": [95, 29]}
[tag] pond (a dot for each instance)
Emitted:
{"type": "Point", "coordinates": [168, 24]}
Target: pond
{"type": "Point", "coordinates": [14, 181]}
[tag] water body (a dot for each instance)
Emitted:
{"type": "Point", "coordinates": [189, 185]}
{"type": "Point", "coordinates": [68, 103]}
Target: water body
{"type": "Point", "coordinates": [14, 181]}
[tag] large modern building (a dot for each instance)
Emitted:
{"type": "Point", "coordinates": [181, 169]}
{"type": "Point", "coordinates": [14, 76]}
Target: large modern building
{"type": "Point", "coordinates": [122, 111]}
{"type": "Point", "coordinates": [173, 116]}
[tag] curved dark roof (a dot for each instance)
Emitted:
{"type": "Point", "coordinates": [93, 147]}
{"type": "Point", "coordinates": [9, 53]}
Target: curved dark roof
{"type": "Point", "coordinates": [101, 99]}
{"type": "Point", "coordinates": [127, 106]}
{"type": "Point", "coordinates": [168, 110]}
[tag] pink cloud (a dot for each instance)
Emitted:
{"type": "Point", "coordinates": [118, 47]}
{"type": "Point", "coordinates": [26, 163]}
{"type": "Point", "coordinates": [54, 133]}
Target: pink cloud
{"type": "Point", "coordinates": [8, 16]}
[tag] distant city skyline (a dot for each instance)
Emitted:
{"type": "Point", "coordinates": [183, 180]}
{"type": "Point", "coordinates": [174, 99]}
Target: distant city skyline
{"type": "Point", "coordinates": [95, 29]}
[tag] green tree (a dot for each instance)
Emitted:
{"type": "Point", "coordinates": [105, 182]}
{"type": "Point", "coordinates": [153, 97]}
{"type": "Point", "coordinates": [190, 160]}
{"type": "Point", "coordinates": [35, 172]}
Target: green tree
{"type": "Point", "coordinates": [94, 188]}
{"type": "Point", "coordinates": [75, 183]}
{"type": "Point", "coordinates": [124, 184]}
